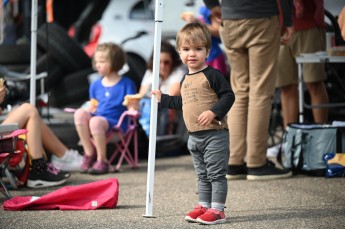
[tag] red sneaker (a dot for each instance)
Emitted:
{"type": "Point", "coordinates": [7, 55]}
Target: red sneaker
{"type": "Point", "coordinates": [211, 216]}
{"type": "Point", "coordinates": [193, 215]}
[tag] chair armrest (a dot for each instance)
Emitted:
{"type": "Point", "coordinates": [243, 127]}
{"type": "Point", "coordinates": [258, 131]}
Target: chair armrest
{"type": "Point", "coordinates": [16, 76]}
{"type": "Point", "coordinates": [9, 127]}
{"type": "Point", "coordinates": [132, 114]}
{"type": "Point", "coordinates": [14, 133]}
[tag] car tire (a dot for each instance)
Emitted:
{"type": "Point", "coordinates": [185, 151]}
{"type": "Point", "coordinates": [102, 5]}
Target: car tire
{"type": "Point", "coordinates": [14, 54]}
{"type": "Point", "coordinates": [48, 64]}
{"type": "Point", "coordinates": [72, 90]}
{"type": "Point", "coordinates": [63, 48]}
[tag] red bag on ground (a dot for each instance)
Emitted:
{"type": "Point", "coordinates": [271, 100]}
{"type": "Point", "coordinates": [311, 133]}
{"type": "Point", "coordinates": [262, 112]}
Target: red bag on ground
{"type": "Point", "coordinates": [90, 196]}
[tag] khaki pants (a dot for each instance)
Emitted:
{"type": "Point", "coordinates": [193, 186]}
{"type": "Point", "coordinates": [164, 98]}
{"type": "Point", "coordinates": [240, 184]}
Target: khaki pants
{"type": "Point", "coordinates": [252, 47]}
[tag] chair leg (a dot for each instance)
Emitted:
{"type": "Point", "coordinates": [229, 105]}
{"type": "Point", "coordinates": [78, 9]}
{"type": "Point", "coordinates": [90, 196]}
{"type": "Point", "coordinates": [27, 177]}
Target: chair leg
{"type": "Point", "coordinates": [3, 188]}
{"type": "Point", "coordinates": [125, 154]}
{"type": "Point", "coordinates": [112, 158]}
{"type": "Point", "coordinates": [122, 149]}
{"type": "Point", "coordinates": [4, 191]}
{"type": "Point", "coordinates": [136, 148]}
{"type": "Point", "coordinates": [11, 178]}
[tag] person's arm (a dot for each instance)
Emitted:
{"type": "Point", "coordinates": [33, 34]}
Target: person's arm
{"type": "Point", "coordinates": [174, 81]}
{"type": "Point", "coordinates": [214, 6]}
{"type": "Point", "coordinates": [3, 90]}
{"type": "Point", "coordinates": [93, 102]}
{"type": "Point", "coordinates": [319, 14]}
{"type": "Point", "coordinates": [174, 89]}
{"type": "Point", "coordinates": [143, 89]}
{"type": "Point", "coordinates": [211, 3]}
{"type": "Point", "coordinates": [172, 102]}
{"type": "Point", "coordinates": [131, 99]}
{"type": "Point", "coordinates": [341, 22]}
{"type": "Point", "coordinates": [213, 27]}
{"type": "Point", "coordinates": [146, 83]}
{"type": "Point", "coordinates": [225, 95]}
{"type": "Point", "coordinates": [287, 35]}
{"type": "Point", "coordinates": [287, 29]}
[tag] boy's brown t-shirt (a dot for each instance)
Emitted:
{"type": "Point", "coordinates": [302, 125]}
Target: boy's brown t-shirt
{"type": "Point", "coordinates": [197, 97]}
{"type": "Point", "coordinates": [202, 91]}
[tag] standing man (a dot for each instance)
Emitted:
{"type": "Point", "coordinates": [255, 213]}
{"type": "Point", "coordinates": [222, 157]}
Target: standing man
{"type": "Point", "coordinates": [251, 36]}
{"type": "Point", "coordinates": [309, 37]}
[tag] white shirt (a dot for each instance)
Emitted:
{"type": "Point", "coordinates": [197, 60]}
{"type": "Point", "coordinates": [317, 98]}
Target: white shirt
{"type": "Point", "coordinates": [175, 77]}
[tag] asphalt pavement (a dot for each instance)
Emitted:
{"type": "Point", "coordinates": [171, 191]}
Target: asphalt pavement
{"type": "Point", "coordinates": [297, 202]}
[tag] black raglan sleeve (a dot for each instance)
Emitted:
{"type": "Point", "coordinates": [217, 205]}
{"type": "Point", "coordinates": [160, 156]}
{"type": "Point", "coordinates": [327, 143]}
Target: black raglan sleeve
{"type": "Point", "coordinates": [172, 102]}
{"type": "Point", "coordinates": [225, 94]}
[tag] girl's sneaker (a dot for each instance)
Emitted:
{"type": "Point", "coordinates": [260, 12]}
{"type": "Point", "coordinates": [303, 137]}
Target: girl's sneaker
{"type": "Point", "coordinates": [100, 167]}
{"type": "Point", "coordinates": [50, 176]}
{"type": "Point", "coordinates": [193, 215]}
{"type": "Point", "coordinates": [211, 216]}
{"type": "Point", "coordinates": [86, 164]}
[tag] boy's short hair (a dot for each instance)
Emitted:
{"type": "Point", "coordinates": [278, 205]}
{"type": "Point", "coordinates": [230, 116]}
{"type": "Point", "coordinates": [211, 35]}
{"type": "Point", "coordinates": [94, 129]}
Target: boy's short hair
{"type": "Point", "coordinates": [115, 55]}
{"type": "Point", "coordinates": [194, 34]}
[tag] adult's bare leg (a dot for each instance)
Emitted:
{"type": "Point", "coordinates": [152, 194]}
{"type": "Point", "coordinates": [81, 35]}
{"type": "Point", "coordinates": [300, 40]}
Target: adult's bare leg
{"type": "Point", "coordinates": [27, 117]}
{"type": "Point", "coordinates": [289, 100]}
{"type": "Point", "coordinates": [50, 141]}
{"type": "Point", "coordinates": [318, 95]}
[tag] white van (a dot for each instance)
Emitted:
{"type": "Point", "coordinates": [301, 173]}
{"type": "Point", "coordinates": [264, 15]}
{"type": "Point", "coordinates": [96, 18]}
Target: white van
{"type": "Point", "coordinates": [131, 24]}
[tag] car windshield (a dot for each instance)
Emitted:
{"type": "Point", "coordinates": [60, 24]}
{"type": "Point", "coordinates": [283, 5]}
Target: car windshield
{"type": "Point", "coordinates": [141, 11]}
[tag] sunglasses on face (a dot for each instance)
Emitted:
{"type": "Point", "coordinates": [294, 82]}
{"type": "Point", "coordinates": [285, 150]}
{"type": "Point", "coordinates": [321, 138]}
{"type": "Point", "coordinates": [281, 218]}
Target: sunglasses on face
{"type": "Point", "coordinates": [165, 62]}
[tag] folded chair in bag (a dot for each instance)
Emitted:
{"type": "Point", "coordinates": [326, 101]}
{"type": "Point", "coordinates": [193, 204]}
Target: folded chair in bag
{"type": "Point", "coordinates": [11, 153]}
{"type": "Point", "coordinates": [124, 138]}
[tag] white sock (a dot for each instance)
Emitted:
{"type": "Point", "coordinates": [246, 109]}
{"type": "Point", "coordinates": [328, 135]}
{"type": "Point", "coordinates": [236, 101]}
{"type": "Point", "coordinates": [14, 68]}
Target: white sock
{"type": "Point", "coordinates": [218, 206]}
{"type": "Point", "coordinates": [205, 204]}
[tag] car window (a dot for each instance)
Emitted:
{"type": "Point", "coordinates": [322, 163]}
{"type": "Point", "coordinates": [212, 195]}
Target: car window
{"type": "Point", "coordinates": [141, 11]}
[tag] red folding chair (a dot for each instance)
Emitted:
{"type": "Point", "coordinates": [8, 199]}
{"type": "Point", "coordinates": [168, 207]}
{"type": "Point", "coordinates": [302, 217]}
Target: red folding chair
{"type": "Point", "coordinates": [123, 139]}
{"type": "Point", "coordinates": [10, 153]}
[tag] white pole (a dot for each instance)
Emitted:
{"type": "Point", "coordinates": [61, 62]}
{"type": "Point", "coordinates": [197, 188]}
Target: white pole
{"type": "Point", "coordinates": [154, 107]}
{"type": "Point", "coordinates": [33, 52]}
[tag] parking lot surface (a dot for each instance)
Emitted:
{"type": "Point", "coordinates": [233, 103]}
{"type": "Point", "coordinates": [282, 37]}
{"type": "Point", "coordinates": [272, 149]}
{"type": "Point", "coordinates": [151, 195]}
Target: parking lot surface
{"type": "Point", "coordinates": [297, 202]}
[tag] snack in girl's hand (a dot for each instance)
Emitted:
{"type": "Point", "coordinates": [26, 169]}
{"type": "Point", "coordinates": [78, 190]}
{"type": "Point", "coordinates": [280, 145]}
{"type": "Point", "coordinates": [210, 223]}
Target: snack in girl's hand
{"type": "Point", "coordinates": [93, 105]}
{"type": "Point", "coordinates": [132, 101]}
{"type": "Point", "coordinates": [93, 102]}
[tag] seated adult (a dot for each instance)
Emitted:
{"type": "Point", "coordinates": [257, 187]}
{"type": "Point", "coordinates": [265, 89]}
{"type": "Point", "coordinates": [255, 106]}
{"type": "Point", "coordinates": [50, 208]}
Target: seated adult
{"type": "Point", "coordinates": [170, 74]}
{"type": "Point", "coordinates": [40, 137]}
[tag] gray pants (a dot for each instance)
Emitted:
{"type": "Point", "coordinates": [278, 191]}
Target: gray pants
{"type": "Point", "coordinates": [210, 153]}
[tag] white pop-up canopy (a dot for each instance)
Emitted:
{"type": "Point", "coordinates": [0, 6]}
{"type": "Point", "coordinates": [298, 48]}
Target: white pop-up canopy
{"type": "Point", "coordinates": [154, 108]}
{"type": "Point", "coordinates": [33, 52]}
{"type": "Point", "coordinates": [154, 103]}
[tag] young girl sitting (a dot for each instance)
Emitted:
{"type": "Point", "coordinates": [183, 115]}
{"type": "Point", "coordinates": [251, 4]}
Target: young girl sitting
{"type": "Point", "coordinates": [106, 98]}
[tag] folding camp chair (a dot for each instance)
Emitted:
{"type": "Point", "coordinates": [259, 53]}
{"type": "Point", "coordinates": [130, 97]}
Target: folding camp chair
{"type": "Point", "coordinates": [122, 140]}
{"type": "Point", "coordinates": [8, 151]}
